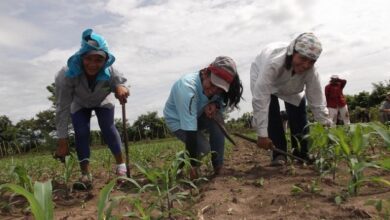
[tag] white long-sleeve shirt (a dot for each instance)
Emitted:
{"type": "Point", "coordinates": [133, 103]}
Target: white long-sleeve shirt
{"type": "Point", "coordinates": [268, 76]}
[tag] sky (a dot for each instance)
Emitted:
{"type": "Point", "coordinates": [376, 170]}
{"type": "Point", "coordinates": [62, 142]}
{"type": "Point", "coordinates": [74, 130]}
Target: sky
{"type": "Point", "coordinates": [157, 41]}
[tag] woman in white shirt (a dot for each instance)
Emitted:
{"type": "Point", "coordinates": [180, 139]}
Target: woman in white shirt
{"type": "Point", "coordinates": [287, 71]}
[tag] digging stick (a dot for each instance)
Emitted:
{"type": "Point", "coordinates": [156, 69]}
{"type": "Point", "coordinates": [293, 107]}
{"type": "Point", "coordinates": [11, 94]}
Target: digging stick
{"type": "Point", "coordinates": [125, 139]}
{"type": "Point", "coordinates": [224, 131]}
{"type": "Point", "coordinates": [273, 148]}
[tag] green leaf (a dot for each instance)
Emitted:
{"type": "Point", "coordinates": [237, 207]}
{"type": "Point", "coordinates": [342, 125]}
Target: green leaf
{"type": "Point", "coordinates": [338, 200]}
{"type": "Point", "coordinates": [380, 180]}
{"type": "Point", "coordinates": [296, 189]}
{"type": "Point", "coordinates": [385, 164]}
{"type": "Point", "coordinates": [43, 194]}
{"type": "Point", "coordinates": [357, 140]}
{"type": "Point", "coordinates": [36, 209]}
{"type": "Point", "coordinates": [103, 198]}
{"type": "Point", "coordinates": [382, 132]}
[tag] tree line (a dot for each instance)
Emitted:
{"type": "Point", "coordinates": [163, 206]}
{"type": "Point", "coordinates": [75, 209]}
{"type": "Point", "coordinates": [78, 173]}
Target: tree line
{"type": "Point", "coordinates": [39, 131]}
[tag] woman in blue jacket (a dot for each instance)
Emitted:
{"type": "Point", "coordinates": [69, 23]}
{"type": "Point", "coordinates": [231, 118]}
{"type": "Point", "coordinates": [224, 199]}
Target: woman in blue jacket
{"type": "Point", "coordinates": [86, 85]}
{"type": "Point", "coordinates": [196, 101]}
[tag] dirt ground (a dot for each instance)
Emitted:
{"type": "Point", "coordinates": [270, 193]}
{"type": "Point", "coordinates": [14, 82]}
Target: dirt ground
{"type": "Point", "coordinates": [251, 189]}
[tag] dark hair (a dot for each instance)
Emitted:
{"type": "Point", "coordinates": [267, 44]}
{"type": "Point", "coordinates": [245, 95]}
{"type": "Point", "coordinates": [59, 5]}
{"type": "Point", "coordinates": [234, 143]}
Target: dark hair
{"type": "Point", "coordinates": [234, 95]}
{"type": "Point", "coordinates": [288, 62]}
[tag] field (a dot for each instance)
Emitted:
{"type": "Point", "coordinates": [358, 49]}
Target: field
{"type": "Point", "coordinates": [351, 181]}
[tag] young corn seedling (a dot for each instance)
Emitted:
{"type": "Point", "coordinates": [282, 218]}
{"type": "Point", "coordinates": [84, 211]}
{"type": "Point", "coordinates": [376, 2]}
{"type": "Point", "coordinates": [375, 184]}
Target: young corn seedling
{"type": "Point", "coordinates": [166, 186]}
{"type": "Point", "coordinates": [70, 162]}
{"type": "Point", "coordinates": [382, 206]}
{"type": "Point", "coordinates": [40, 200]}
{"type": "Point", "coordinates": [107, 204]}
{"type": "Point", "coordinates": [23, 179]}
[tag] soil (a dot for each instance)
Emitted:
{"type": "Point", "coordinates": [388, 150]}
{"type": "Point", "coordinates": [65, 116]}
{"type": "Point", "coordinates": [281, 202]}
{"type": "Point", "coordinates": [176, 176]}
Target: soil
{"type": "Point", "coordinates": [249, 188]}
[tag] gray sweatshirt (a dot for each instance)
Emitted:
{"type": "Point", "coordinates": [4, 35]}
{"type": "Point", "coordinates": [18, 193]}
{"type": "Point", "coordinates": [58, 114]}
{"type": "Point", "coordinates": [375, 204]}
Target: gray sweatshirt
{"type": "Point", "coordinates": [73, 94]}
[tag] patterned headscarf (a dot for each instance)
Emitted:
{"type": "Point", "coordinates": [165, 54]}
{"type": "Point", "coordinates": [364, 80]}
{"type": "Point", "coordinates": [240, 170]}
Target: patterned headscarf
{"type": "Point", "coordinates": [306, 44]}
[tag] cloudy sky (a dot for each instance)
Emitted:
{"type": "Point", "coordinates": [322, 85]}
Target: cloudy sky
{"type": "Point", "coordinates": [157, 41]}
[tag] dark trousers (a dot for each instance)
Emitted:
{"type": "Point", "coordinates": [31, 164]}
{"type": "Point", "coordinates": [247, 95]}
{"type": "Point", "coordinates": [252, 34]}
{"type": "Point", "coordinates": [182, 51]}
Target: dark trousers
{"type": "Point", "coordinates": [297, 120]}
{"type": "Point", "coordinates": [81, 124]}
{"type": "Point", "coordinates": [214, 143]}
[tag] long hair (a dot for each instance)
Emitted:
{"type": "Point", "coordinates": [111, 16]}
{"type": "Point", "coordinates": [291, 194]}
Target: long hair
{"type": "Point", "coordinates": [234, 95]}
{"type": "Point", "coordinates": [288, 61]}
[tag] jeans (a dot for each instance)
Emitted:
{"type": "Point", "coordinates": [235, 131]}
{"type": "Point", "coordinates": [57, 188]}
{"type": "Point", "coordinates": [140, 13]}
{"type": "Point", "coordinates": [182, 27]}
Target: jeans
{"type": "Point", "coordinates": [215, 143]}
{"type": "Point", "coordinates": [81, 124]}
{"type": "Point", "coordinates": [297, 120]}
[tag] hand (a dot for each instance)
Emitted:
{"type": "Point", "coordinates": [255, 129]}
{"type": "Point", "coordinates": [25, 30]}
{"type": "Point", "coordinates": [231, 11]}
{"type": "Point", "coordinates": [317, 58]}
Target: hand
{"type": "Point", "coordinates": [210, 110]}
{"type": "Point", "coordinates": [63, 148]}
{"type": "Point", "coordinates": [265, 143]}
{"type": "Point", "coordinates": [121, 93]}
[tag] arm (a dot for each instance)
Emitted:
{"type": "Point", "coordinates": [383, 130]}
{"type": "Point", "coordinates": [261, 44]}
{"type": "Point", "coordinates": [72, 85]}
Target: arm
{"type": "Point", "coordinates": [117, 85]}
{"type": "Point", "coordinates": [261, 96]}
{"type": "Point", "coordinates": [316, 99]}
{"type": "Point", "coordinates": [64, 97]}
{"type": "Point", "coordinates": [343, 82]}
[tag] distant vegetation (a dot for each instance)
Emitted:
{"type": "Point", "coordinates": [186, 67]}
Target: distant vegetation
{"type": "Point", "coordinates": [38, 133]}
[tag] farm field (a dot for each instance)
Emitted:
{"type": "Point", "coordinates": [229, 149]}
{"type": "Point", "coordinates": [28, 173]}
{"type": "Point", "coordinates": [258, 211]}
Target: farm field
{"type": "Point", "coordinates": [248, 189]}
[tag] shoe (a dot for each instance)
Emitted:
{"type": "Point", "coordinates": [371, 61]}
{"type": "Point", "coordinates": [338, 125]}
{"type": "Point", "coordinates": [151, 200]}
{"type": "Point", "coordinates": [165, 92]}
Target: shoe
{"type": "Point", "coordinates": [279, 160]}
{"type": "Point", "coordinates": [121, 172]}
{"type": "Point", "coordinates": [84, 183]}
{"type": "Point", "coordinates": [218, 170]}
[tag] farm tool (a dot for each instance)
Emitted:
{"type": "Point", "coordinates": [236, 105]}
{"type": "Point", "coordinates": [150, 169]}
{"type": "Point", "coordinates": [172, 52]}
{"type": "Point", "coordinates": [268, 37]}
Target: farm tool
{"type": "Point", "coordinates": [273, 148]}
{"type": "Point", "coordinates": [125, 140]}
{"type": "Point", "coordinates": [219, 121]}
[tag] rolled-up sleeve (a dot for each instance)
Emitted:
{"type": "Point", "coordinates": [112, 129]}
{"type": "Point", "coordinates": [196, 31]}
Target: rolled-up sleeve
{"type": "Point", "coordinates": [64, 97]}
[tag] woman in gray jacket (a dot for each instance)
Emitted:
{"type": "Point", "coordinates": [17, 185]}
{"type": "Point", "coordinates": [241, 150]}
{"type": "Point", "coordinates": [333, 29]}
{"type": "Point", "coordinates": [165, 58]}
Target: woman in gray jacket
{"type": "Point", "coordinates": [86, 85]}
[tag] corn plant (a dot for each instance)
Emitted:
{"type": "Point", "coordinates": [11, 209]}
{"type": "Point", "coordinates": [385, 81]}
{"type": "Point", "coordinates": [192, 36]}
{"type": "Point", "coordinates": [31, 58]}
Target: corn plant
{"type": "Point", "coordinates": [106, 204]}
{"type": "Point", "coordinates": [166, 185]}
{"type": "Point", "coordinates": [140, 210]}
{"type": "Point", "coordinates": [323, 148]}
{"type": "Point", "coordinates": [382, 206]}
{"type": "Point", "coordinates": [40, 200]}
{"type": "Point", "coordinates": [22, 178]}
{"type": "Point", "coordinates": [349, 144]}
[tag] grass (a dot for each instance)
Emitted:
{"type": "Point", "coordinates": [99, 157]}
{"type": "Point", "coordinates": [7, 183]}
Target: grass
{"type": "Point", "coordinates": [41, 166]}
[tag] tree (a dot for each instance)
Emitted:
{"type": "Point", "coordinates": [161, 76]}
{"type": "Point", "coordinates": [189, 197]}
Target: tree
{"type": "Point", "coordinates": [149, 126]}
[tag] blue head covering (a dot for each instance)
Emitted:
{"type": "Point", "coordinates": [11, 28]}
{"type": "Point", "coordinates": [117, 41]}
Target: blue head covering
{"type": "Point", "coordinates": [75, 63]}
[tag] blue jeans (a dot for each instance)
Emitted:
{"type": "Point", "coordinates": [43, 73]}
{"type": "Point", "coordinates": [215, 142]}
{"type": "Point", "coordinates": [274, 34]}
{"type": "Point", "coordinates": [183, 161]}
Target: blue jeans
{"type": "Point", "coordinates": [215, 143]}
{"type": "Point", "coordinates": [297, 119]}
{"type": "Point", "coordinates": [81, 124]}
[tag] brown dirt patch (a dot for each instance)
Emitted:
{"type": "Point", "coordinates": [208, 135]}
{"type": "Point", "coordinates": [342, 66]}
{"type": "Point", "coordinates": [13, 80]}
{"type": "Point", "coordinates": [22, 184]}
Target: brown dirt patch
{"type": "Point", "coordinates": [248, 189]}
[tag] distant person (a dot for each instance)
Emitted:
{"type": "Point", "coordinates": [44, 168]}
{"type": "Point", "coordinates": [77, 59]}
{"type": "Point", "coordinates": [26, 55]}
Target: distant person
{"type": "Point", "coordinates": [196, 101]}
{"type": "Point", "coordinates": [86, 84]}
{"type": "Point", "coordinates": [335, 100]}
{"type": "Point", "coordinates": [385, 109]}
{"type": "Point", "coordinates": [363, 114]}
{"type": "Point", "coordinates": [287, 71]}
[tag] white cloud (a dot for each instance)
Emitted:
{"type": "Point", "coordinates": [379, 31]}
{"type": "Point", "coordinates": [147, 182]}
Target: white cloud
{"type": "Point", "coordinates": [157, 41]}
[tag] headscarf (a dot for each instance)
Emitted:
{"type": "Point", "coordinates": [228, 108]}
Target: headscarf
{"type": "Point", "coordinates": [306, 44]}
{"type": "Point", "coordinates": [75, 63]}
